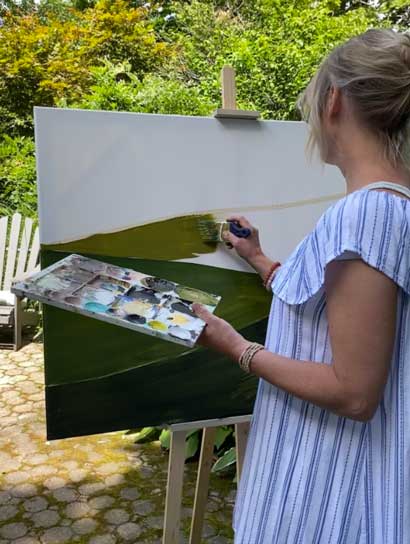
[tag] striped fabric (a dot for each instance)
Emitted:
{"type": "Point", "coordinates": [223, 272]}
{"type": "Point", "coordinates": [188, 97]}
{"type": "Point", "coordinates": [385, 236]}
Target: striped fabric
{"type": "Point", "coordinates": [310, 476]}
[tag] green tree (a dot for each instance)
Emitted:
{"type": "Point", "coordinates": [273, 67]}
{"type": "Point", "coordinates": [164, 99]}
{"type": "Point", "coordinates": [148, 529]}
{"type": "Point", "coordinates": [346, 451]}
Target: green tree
{"type": "Point", "coordinates": [45, 57]}
{"type": "Point", "coordinates": [274, 45]}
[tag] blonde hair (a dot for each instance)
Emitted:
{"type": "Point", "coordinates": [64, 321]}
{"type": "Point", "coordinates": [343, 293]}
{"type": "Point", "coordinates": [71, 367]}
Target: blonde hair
{"type": "Point", "coordinates": [373, 71]}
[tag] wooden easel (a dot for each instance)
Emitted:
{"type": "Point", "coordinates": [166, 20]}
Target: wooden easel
{"type": "Point", "coordinates": [173, 501]}
{"type": "Point", "coordinates": [179, 432]}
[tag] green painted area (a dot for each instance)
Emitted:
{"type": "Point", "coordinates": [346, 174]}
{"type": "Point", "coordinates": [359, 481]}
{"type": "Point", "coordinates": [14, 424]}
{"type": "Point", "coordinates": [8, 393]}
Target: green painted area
{"type": "Point", "coordinates": [101, 377]}
{"type": "Point", "coordinates": [171, 239]}
{"type": "Point", "coordinates": [80, 348]}
{"type": "Point", "coordinates": [196, 385]}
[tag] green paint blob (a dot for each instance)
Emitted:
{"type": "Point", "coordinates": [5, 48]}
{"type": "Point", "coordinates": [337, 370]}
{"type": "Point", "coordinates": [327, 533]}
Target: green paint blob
{"type": "Point", "coordinates": [193, 295]}
{"type": "Point", "coordinates": [171, 239]}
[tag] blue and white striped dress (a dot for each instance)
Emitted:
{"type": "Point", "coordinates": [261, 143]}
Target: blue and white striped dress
{"type": "Point", "coordinates": [310, 476]}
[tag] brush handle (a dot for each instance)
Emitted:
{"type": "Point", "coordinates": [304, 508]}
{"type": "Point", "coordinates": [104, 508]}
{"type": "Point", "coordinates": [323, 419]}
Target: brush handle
{"type": "Point", "coordinates": [237, 230]}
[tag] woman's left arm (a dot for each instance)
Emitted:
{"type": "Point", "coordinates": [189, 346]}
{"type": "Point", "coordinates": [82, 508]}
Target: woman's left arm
{"type": "Point", "coordinates": [361, 305]}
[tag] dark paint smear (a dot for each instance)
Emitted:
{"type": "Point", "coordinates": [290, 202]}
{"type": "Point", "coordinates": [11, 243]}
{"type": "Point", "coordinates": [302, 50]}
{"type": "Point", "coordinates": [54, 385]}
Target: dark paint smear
{"type": "Point", "coordinates": [198, 385]}
{"type": "Point", "coordinates": [179, 307]}
{"type": "Point", "coordinates": [134, 318]}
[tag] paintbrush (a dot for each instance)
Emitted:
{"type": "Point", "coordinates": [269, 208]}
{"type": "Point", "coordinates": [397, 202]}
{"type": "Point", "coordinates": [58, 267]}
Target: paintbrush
{"type": "Point", "coordinates": [212, 231]}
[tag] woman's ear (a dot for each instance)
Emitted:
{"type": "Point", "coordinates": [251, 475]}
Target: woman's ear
{"type": "Point", "coordinates": [334, 101]}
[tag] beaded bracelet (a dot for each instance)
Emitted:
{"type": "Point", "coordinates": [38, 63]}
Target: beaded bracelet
{"type": "Point", "coordinates": [271, 274]}
{"type": "Point", "coordinates": [248, 354]}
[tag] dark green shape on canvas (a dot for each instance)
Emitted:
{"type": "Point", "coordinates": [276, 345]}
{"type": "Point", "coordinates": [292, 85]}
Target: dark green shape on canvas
{"type": "Point", "coordinates": [100, 377]}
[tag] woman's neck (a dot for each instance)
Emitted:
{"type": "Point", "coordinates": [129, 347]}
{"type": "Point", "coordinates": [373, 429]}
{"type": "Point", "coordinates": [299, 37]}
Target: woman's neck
{"type": "Point", "coordinates": [362, 174]}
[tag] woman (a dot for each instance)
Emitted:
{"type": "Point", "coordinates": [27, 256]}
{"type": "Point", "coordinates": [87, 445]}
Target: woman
{"type": "Point", "coordinates": [328, 457]}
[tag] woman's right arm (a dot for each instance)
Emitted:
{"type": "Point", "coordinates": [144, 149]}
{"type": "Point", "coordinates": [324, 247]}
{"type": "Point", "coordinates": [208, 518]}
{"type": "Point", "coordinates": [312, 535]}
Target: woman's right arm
{"type": "Point", "coordinates": [249, 248]}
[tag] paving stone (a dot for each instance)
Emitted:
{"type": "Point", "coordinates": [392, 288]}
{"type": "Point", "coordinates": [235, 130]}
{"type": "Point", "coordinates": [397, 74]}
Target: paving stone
{"type": "Point", "coordinates": [145, 472]}
{"type": "Point", "coordinates": [43, 470]}
{"type": "Point", "coordinates": [208, 530]}
{"type": "Point", "coordinates": [213, 506]}
{"type": "Point", "coordinates": [7, 512]}
{"type": "Point", "coordinates": [186, 512]}
{"type": "Point", "coordinates": [143, 507]}
{"type": "Point", "coordinates": [35, 504]}
{"type": "Point", "coordinates": [109, 468]}
{"type": "Point", "coordinates": [129, 493]}
{"type": "Point", "coordinates": [90, 489]}
{"type": "Point", "coordinates": [4, 497]}
{"type": "Point", "coordinates": [84, 526]}
{"type": "Point", "coordinates": [69, 465]}
{"type": "Point", "coordinates": [37, 459]}
{"type": "Point", "coordinates": [94, 457]}
{"type": "Point", "coordinates": [103, 539]}
{"type": "Point", "coordinates": [16, 477]}
{"type": "Point", "coordinates": [114, 479]}
{"type": "Point", "coordinates": [65, 494]}
{"type": "Point", "coordinates": [55, 482]}
{"type": "Point", "coordinates": [57, 535]}
{"type": "Point", "coordinates": [26, 540]}
{"type": "Point", "coordinates": [24, 490]}
{"type": "Point", "coordinates": [76, 510]}
{"type": "Point", "coordinates": [101, 502]}
{"type": "Point", "coordinates": [155, 522]}
{"type": "Point", "coordinates": [219, 540]}
{"type": "Point", "coordinates": [116, 516]}
{"type": "Point", "coordinates": [129, 531]}
{"type": "Point", "coordinates": [45, 518]}
{"type": "Point", "coordinates": [77, 475]}
{"type": "Point", "coordinates": [13, 530]}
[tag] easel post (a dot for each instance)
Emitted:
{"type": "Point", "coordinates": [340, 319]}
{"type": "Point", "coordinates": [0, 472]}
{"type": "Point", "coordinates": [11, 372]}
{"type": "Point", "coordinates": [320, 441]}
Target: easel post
{"type": "Point", "coordinates": [174, 487]}
{"type": "Point", "coordinates": [229, 109]}
{"type": "Point", "coordinates": [178, 432]}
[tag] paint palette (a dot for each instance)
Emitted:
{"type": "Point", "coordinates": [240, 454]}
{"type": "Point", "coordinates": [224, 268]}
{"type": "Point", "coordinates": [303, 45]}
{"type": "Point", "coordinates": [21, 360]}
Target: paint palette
{"type": "Point", "coordinates": [120, 296]}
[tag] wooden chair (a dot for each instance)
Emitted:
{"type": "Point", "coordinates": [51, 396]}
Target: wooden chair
{"type": "Point", "coordinates": [19, 255]}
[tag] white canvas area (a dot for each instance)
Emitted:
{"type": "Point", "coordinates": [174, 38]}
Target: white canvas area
{"type": "Point", "coordinates": [107, 171]}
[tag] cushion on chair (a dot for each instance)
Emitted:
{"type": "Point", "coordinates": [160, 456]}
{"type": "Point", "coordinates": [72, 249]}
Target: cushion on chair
{"type": "Point", "coordinates": [6, 298]}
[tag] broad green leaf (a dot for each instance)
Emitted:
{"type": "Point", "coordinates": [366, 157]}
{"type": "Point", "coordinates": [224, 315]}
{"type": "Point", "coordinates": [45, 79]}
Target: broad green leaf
{"type": "Point", "coordinates": [147, 434]}
{"type": "Point", "coordinates": [165, 438]}
{"type": "Point", "coordinates": [226, 461]}
{"type": "Point", "coordinates": [192, 445]}
{"type": "Point", "coordinates": [221, 435]}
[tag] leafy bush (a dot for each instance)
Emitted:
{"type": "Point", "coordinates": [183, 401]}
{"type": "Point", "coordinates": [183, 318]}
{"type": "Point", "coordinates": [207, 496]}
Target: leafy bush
{"type": "Point", "coordinates": [116, 87]}
{"type": "Point", "coordinates": [224, 447]}
{"type": "Point", "coordinates": [46, 55]}
{"type": "Point", "coordinates": [18, 190]}
{"type": "Point", "coordinates": [274, 45]}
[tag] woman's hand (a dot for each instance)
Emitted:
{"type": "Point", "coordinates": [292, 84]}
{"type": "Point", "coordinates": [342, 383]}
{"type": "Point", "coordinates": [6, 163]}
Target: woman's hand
{"type": "Point", "coordinates": [220, 335]}
{"type": "Point", "coordinates": [249, 248]}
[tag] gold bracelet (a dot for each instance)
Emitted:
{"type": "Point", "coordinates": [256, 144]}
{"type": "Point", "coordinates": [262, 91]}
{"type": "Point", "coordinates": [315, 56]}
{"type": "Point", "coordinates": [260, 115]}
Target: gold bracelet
{"type": "Point", "coordinates": [248, 354]}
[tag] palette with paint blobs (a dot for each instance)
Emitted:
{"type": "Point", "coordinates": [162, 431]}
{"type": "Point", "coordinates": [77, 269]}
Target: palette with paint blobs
{"type": "Point", "coordinates": [120, 296]}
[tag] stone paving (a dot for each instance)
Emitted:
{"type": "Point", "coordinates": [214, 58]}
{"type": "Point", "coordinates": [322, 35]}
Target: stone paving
{"type": "Point", "coordinates": [102, 489]}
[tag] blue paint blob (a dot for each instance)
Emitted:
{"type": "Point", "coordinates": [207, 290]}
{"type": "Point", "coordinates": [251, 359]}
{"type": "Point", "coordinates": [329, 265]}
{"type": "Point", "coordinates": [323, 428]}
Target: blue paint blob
{"type": "Point", "coordinates": [96, 307]}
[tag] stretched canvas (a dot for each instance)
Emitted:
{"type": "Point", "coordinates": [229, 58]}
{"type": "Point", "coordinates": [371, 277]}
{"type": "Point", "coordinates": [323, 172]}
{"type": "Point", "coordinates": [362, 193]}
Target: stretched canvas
{"type": "Point", "coordinates": [127, 189]}
{"type": "Point", "coordinates": [121, 296]}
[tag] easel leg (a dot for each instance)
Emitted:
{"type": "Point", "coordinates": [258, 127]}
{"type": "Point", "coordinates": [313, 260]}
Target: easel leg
{"type": "Point", "coordinates": [241, 435]}
{"type": "Point", "coordinates": [18, 320]}
{"type": "Point", "coordinates": [174, 488]}
{"type": "Point", "coordinates": [202, 484]}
